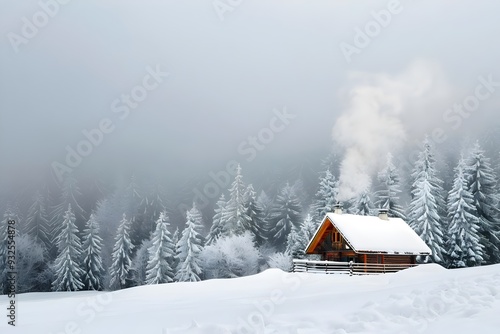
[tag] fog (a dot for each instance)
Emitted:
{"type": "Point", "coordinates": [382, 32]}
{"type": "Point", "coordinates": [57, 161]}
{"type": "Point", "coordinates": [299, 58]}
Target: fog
{"type": "Point", "coordinates": [273, 70]}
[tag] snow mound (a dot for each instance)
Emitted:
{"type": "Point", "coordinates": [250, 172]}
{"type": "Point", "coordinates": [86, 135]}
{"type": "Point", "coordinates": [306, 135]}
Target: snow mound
{"type": "Point", "coordinates": [417, 273]}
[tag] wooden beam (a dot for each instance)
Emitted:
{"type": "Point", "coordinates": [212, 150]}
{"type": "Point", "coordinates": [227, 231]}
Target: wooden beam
{"type": "Point", "coordinates": [319, 237]}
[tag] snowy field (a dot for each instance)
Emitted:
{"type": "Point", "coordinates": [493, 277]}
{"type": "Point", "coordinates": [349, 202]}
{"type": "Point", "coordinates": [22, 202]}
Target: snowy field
{"type": "Point", "coordinates": [427, 299]}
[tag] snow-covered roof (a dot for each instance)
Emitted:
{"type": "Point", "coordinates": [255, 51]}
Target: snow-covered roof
{"type": "Point", "coordinates": [370, 234]}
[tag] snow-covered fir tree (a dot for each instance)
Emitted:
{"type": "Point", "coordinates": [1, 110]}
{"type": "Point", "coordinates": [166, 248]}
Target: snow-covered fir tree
{"type": "Point", "coordinates": [99, 188]}
{"type": "Point", "coordinates": [300, 191]}
{"type": "Point", "coordinates": [176, 236]}
{"type": "Point", "coordinates": [14, 212]}
{"type": "Point", "coordinates": [362, 204]}
{"type": "Point", "coordinates": [265, 203]}
{"type": "Point", "coordinates": [285, 215]}
{"type": "Point", "coordinates": [149, 210]}
{"type": "Point", "coordinates": [299, 237]}
{"type": "Point", "coordinates": [31, 263]}
{"type": "Point", "coordinates": [70, 195]}
{"type": "Point", "coordinates": [235, 213]}
{"type": "Point", "coordinates": [309, 227]}
{"type": "Point", "coordinates": [464, 247]}
{"type": "Point", "coordinates": [121, 257]}
{"type": "Point", "coordinates": [140, 263]}
{"type": "Point", "coordinates": [189, 249]}
{"type": "Point", "coordinates": [131, 198]}
{"type": "Point", "coordinates": [134, 205]}
{"type": "Point", "coordinates": [161, 254]}
{"type": "Point", "coordinates": [256, 225]}
{"type": "Point", "coordinates": [108, 214]}
{"type": "Point", "coordinates": [92, 261]}
{"type": "Point", "coordinates": [218, 221]}
{"type": "Point", "coordinates": [175, 240]}
{"type": "Point", "coordinates": [68, 266]}
{"type": "Point", "coordinates": [37, 222]}
{"type": "Point", "coordinates": [197, 217]}
{"type": "Point", "coordinates": [427, 199]}
{"type": "Point", "coordinates": [331, 162]}
{"type": "Point", "coordinates": [387, 195]}
{"type": "Point", "coordinates": [482, 184]}
{"type": "Point", "coordinates": [296, 243]}
{"type": "Point", "coordinates": [156, 205]}
{"type": "Point", "coordinates": [326, 197]}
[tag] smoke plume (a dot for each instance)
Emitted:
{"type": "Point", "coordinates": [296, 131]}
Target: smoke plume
{"type": "Point", "coordinates": [372, 124]}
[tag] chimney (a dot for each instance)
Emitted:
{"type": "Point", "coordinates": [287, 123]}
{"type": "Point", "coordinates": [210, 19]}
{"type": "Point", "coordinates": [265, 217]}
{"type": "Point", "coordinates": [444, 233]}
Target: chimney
{"type": "Point", "coordinates": [383, 214]}
{"type": "Point", "coordinates": [337, 208]}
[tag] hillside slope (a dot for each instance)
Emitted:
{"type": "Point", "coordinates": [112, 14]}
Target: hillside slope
{"type": "Point", "coordinates": [427, 299]}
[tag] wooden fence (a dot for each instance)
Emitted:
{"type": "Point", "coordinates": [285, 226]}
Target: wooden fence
{"type": "Point", "coordinates": [346, 268]}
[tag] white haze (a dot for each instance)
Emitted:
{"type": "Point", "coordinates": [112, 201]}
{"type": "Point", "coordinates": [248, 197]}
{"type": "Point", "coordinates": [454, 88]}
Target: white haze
{"type": "Point", "coordinates": [227, 77]}
{"type": "Point", "coordinates": [372, 123]}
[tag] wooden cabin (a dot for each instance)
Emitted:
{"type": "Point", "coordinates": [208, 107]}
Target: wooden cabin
{"type": "Point", "coordinates": [369, 240]}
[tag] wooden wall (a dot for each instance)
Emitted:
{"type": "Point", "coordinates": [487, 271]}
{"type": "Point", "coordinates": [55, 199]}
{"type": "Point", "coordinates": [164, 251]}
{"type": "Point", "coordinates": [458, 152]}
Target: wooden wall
{"type": "Point", "coordinates": [385, 259]}
{"type": "Point", "coordinates": [399, 259]}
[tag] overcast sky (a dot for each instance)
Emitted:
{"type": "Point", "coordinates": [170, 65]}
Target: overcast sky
{"type": "Point", "coordinates": [225, 76]}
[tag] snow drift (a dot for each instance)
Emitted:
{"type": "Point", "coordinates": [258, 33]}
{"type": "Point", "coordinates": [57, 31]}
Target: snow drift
{"type": "Point", "coordinates": [426, 299]}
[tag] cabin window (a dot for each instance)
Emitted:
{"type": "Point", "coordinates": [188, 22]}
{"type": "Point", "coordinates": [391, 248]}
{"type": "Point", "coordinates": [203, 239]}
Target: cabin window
{"type": "Point", "coordinates": [335, 237]}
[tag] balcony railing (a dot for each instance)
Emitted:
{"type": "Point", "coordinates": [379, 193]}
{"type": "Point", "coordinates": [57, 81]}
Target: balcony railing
{"type": "Point", "coordinates": [346, 268]}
